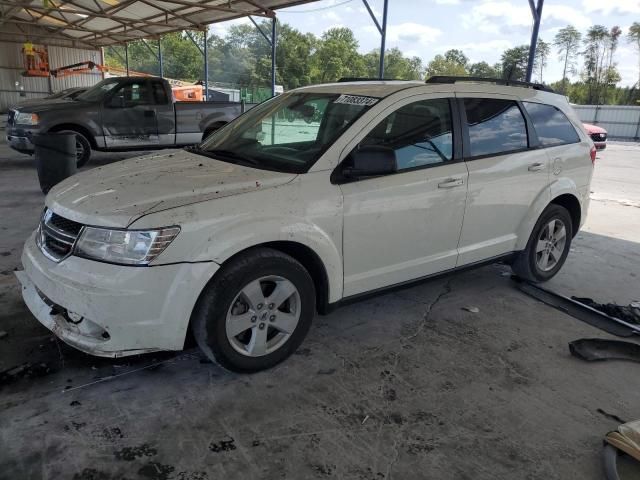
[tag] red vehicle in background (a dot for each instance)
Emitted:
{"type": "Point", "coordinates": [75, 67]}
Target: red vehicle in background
{"type": "Point", "coordinates": [597, 134]}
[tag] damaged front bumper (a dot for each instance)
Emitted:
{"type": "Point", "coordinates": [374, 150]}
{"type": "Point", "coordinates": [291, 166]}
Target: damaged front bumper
{"type": "Point", "coordinates": [112, 310]}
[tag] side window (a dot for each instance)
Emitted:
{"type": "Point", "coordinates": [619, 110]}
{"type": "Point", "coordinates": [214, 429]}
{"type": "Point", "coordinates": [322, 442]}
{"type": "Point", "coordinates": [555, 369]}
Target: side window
{"type": "Point", "coordinates": [159, 93]}
{"type": "Point", "coordinates": [135, 93]}
{"type": "Point", "coordinates": [552, 126]}
{"type": "Point", "coordinates": [495, 126]}
{"type": "Point", "coordinates": [420, 133]}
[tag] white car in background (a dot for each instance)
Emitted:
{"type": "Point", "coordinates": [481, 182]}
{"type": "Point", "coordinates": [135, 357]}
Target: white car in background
{"type": "Point", "coordinates": [373, 185]}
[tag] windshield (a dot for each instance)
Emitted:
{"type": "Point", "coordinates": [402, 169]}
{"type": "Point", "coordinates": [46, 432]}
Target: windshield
{"type": "Point", "coordinates": [99, 90]}
{"type": "Point", "coordinates": [287, 133]}
{"type": "Point", "coordinates": [57, 95]}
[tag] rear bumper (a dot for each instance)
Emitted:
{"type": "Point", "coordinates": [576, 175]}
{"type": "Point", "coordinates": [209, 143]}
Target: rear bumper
{"type": "Point", "coordinates": [110, 310]}
{"type": "Point", "coordinates": [600, 145]}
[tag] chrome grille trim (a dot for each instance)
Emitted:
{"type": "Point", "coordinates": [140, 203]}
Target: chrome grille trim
{"type": "Point", "coordinates": [57, 243]}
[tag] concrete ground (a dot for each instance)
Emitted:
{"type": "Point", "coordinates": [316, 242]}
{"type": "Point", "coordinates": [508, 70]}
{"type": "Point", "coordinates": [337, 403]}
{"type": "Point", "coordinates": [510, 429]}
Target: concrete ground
{"type": "Point", "coordinates": [405, 386]}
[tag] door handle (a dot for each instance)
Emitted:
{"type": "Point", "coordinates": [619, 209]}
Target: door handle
{"type": "Point", "coordinates": [536, 167]}
{"type": "Point", "coordinates": [149, 113]}
{"type": "Point", "coordinates": [451, 182]}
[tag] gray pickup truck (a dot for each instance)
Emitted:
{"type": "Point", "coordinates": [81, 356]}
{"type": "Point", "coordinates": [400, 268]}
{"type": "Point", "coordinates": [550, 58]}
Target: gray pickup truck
{"type": "Point", "coordinates": [124, 113]}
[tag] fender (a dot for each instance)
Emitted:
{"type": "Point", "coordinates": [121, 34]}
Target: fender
{"type": "Point", "coordinates": [225, 226]}
{"type": "Point", "coordinates": [560, 186]}
{"type": "Point", "coordinates": [242, 235]}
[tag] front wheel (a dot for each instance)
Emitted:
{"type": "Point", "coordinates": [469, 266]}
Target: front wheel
{"type": "Point", "coordinates": [548, 246]}
{"type": "Point", "coordinates": [255, 312]}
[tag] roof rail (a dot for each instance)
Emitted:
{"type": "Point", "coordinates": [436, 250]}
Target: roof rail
{"type": "Point", "coordinates": [367, 79]}
{"type": "Point", "coordinates": [497, 81]}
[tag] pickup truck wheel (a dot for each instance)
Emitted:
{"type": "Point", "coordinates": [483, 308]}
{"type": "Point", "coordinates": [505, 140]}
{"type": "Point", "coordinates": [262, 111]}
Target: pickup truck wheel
{"type": "Point", "coordinates": [255, 312]}
{"type": "Point", "coordinates": [83, 148]}
{"type": "Point", "coordinates": [548, 246]}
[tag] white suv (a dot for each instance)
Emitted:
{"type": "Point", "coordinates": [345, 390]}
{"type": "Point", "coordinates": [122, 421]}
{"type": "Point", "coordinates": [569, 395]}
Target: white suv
{"type": "Point", "coordinates": [318, 196]}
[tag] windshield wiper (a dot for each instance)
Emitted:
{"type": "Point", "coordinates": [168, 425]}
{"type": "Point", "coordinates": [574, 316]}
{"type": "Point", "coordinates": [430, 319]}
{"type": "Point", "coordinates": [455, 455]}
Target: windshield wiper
{"type": "Point", "coordinates": [227, 154]}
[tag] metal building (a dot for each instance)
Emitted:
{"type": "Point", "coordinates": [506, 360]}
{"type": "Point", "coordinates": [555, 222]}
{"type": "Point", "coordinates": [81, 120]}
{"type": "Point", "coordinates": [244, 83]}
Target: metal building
{"type": "Point", "coordinates": [15, 88]}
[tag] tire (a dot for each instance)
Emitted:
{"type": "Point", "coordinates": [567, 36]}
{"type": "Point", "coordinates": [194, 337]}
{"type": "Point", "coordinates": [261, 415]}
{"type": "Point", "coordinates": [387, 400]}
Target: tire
{"type": "Point", "coordinates": [232, 303]}
{"type": "Point", "coordinates": [530, 263]}
{"type": "Point", "coordinates": [83, 147]}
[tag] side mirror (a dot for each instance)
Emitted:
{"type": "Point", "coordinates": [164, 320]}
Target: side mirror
{"type": "Point", "coordinates": [371, 161]}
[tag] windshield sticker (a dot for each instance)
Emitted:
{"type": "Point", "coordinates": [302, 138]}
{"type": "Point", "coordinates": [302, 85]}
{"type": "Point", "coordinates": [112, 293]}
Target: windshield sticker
{"type": "Point", "coordinates": [356, 100]}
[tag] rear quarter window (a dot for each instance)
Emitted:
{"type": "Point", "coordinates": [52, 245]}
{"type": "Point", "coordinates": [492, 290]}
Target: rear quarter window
{"type": "Point", "coordinates": [552, 126]}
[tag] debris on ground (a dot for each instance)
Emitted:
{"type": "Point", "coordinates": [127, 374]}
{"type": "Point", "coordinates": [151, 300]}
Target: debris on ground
{"type": "Point", "coordinates": [598, 349]}
{"type": "Point", "coordinates": [26, 370]}
{"type": "Point", "coordinates": [629, 313]}
{"type": "Point", "coordinates": [471, 309]}
{"type": "Point", "coordinates": [3, 334]}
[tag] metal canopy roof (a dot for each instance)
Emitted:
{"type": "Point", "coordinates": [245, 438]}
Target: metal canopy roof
{"type": "Point", "coordinates": [99, 23]}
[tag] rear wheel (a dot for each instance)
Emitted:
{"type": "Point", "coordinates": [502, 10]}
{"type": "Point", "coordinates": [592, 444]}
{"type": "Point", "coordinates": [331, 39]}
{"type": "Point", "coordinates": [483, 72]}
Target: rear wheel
{"type": "Point", "coordinates": [83, 147]}
{"type": "Point", "coordinates": [256, 312]}
{"type": "Point", "coordinates": [548, 246]}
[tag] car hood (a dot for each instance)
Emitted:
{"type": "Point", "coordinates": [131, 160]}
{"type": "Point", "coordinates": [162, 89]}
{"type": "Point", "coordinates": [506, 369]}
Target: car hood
{"type": "Point", "coordinates": [593, 128]}
{"type": "Point", "coordinates": [118, 194]}
{"type": "Point", "coordinates": [46, 105]}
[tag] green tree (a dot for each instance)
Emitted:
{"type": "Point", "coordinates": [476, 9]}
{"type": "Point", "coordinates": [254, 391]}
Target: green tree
{"type": "Point", "coordinates": [633, 36]}
{"type": "Point", "coordinates": [595, 54]}
{"type": "Point", "coordinates": [396, 65]}
{"type": "Point", "coordinates": [483, 69]}
{"type": "Point", "coordinates": [543, 50]}
{"type": "Point", "coordinates": [567, 42]}
{"type": "Point", "coordinates": [336, 56]}
{"type": "Point", "coordinates": [453, 62]}
{"type": "Point", "coordinates": [514, 62]}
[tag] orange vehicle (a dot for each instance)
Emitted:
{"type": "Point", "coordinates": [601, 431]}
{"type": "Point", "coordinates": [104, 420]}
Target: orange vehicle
{"type": "Point", "coordinates": [188, 93]}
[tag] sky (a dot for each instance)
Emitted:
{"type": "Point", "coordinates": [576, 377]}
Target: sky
{"type": "Point", "coordinates": [483, 29]}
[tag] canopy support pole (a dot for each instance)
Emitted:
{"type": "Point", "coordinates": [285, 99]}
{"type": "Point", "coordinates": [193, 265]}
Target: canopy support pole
{"type": "Point", "coordinates": [383, 32]}
{"type": "Point", "coordinates": [206, 64]}
{"type": "Point", "coordinates": [160, 57]}
{"type": "Point", "coordinates": [536, 12]}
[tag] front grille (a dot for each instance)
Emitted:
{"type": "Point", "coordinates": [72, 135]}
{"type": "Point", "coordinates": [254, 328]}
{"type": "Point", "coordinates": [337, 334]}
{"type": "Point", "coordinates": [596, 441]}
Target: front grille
{"type": "Point", "coordinates": [598, 137]}
{"type": "Point", "coordinates": [57, 235]}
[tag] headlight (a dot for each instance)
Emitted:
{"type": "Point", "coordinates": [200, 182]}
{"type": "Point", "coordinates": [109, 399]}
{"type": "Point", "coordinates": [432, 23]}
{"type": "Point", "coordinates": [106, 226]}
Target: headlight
{"type": "Point", "coordinates": [126, 247]}
{"type": "Point", "coordinates": [27, 118]}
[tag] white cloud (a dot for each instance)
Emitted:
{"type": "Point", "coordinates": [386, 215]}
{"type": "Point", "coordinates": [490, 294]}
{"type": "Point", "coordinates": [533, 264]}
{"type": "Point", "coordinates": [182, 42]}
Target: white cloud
{"type": "Point", "coordinates": [448, 2]}
{"type": "Point", "coordinates": [375, 11]}
{"type": "Point", "coordinates": [414, 34]}
{"type": "Point", "coordinates": [331, 16]}
{"type": "Point", "coordinates": [494, 16]}
{"type": "Point", "coordinates": [612, 6]}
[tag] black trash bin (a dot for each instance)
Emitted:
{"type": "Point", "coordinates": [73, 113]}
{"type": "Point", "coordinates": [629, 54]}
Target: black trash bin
{"type": "Point", "coordinates": [55, 158]}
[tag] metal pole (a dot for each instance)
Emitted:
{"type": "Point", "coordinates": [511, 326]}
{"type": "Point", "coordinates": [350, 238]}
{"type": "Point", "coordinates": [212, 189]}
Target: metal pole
{"type": "Point", "coordinates": [537, 15]}
{"type": "Point", "coordinates": [383, 40]}
{"type": "Point", "coordinates": [273, 56]}
{"type": "Point", "coordinates": [206, 64]}
{"type": "Point", "coordinates": [160, 58]}
{"type": "Point", "coordinates": [126, 57]}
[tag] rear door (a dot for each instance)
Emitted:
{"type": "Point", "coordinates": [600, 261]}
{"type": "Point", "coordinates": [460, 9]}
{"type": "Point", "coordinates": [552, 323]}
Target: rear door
{"type": "Point", "coordinates": [569, 155]}
{"type": "Point", "coordinates": [406, 225]}
{"type": "Point", "coordinates": [507, 173]}
{"type": "Point", "coordinates": [129, 116]}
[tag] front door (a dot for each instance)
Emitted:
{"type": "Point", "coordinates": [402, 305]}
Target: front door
{"type": "Point", "coordinates": [405, 226]}
{"type": "Point", "coordinates": [506, 176]}
{"type": "Point", "coordinates": [129, 116]}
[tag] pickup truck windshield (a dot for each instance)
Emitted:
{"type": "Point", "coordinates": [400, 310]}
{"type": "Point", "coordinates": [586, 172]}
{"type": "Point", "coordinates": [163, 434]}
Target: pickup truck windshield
{"type": "Point", "coordinates": [288, 133]}
{"type": "Point", "coordinates": [99, 90]}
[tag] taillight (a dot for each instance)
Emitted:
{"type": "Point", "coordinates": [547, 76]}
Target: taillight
{"type": "Point", "coordinates": [593, 153]}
